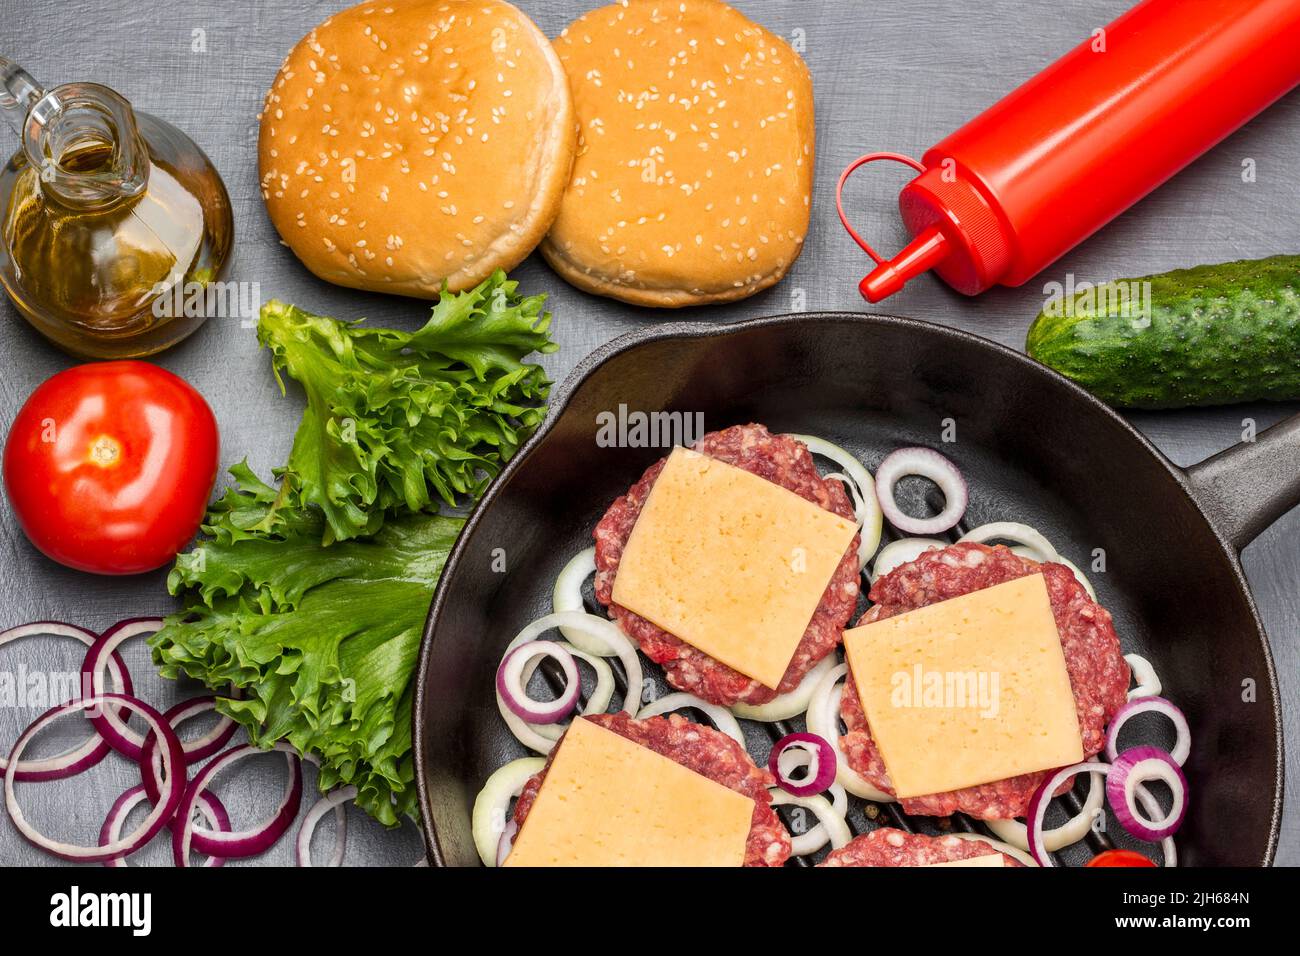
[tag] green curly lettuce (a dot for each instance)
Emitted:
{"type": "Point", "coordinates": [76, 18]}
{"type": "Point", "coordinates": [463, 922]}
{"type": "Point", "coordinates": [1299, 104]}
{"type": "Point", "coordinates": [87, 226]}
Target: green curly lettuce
{"type": "Point", "coordinates": [310, 597]}
{"type": "Point", "coordinates": [397, 421]}
{"type": "Point", "coordinates": [321, 639]}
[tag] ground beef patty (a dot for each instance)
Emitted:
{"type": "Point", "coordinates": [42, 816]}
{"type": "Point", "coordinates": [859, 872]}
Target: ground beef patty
{"type": "Point", "coordinates": [709, 753]}
{"type": "Point", "coordinates": [1099, 675]}
{"type": "Point", "coordinates": [889, 847]}
{"type": "Point", "coordinates": [785, 462]}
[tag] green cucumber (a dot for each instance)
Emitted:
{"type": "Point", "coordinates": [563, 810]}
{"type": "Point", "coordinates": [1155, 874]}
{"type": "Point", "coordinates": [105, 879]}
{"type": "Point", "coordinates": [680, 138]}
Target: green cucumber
{"type": "Point", "coordinates": [1211, 335]}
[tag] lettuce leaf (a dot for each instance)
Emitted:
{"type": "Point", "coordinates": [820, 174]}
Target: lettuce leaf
{"type": "Point", "coordinates": [311, 597]}
{"type": "Point", "coordinates": [321, 639]}
{"type": "Point", "coordinates": [397, 421]}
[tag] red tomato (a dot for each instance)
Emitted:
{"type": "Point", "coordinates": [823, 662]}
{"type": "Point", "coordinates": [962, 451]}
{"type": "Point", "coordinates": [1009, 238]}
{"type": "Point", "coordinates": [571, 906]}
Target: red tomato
{"type": "Point", "coordinates": [1120, 858]}
{"type": "Point", "coordinates": [109, 466]}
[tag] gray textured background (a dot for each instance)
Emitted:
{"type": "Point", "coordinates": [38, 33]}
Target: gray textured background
{"type": "Point", "coordinates": [889, 74]}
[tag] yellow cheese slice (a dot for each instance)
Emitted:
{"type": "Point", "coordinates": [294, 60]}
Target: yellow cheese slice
{"type": "Point", "coordinates": [730, 563]}
{"type": "Point", "coordinates": [607, 801]}
{"type": "Point", "coordinates": [991, 859]}
{"type": "Point", "coordinates": [967, 691]}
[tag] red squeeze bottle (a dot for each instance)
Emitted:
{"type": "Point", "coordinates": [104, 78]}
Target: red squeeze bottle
{"type": "Point", "coordinates": [1058, 158]}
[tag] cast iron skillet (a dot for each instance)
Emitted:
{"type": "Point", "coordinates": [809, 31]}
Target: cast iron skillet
{"type": "Point", "coordinates": [1034, 447]}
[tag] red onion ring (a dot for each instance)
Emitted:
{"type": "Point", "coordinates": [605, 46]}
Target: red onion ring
{"type": "Point", "coordinates": [241, 843]}
{"type": "Point", "coordinates": [334, 800]}
{"type": "Point", "coordinates": [209, 806]}
{"type": "Point", "coordinates": [510, 683]}
{"type": "Point", "coordinates": [111, 727]}
{"type": "Point", "coordinates": [1128, 773]}
{"type": "Point", "coordinates": [927, 464]}
{"type": "Point", "coordinates": [1158, 705]}
{"type": "Point", "coordinates": [195, 750]}
{"type": "Point", "coordinates": [821, 766]}
{"type": "Point", "coordinates": [173, 760]}
{"type": "Point", "coordinates": [1043, 796]}
{"type": "Point", "coordinates": [94, 749]}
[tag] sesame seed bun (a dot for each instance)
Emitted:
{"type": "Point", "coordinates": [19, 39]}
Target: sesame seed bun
{"type": "Point", "coordinates": [408, 143]}
{"type": "Point", "coordinates": [693, 177]}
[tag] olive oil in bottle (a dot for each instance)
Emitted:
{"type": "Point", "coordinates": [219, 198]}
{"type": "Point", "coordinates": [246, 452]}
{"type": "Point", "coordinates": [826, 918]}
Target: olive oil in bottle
{"type": "Point", "coordinates": [104, 212]}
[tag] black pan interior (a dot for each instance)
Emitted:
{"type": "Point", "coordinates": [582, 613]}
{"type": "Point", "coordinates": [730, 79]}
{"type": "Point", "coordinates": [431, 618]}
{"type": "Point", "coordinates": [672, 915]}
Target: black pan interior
{"type": "Point", "coordinates": [1034, 449]}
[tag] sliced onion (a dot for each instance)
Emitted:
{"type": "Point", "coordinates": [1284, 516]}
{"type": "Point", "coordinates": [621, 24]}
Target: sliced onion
{"type": "Point", "coordinates": [492, 805]}
{"type": "Point", "coordinates": [1028, 543]}
{"type": "Point", "coordinates": [210, 808]}
{"type": "Point", "coordinates": [1070, 832]}
{"type": "Point", "coordinates": [542, 737]}
{"type": "Point", "coordinates": [809, 842]}
{"type": "Point", "coordinates": [199, 749]}
{"type": "Point", "coordinates": [1131, 770]}
{"type": "Point", "coordinates": [927, 464]}
{"type": "Point", "coordinates": [1156, 705]}
{"type": "Point", "coordinates": [821, 764]}
{"type": "Point", "coordinates": [823, 720]}
{"type": "Point", "coordinates": [173, 761]}
{"type": "Point", "coordinates": [243, 842]}
{"type": "Point", "coordinates": [1015, 853]}
{"type": "Point", "coordinates": [1152, 807]}
{"type": "Point", "coordinates": [511, 688]}
{"type": "Point", "coordinates": [836, 828]}
{"type": "Point", "coordinates": [121, 737]}
{"type": "Point", "coordinates": [901, 552]}
{"type": "Point", "coordinates": [1043, 796]}
{"type": "Point", "coordinates": [94, 748]}
{"type": "Point", "coordinates": [507, 841]}
{"type": "Point", "coordinates": [1144, 677]}
{"type": "Point", "coordinates": [336, 800]}
{"type": "Point", "coordinates": [568, 597]}
{"type": "Point", "coordinates": [1040, 549]}
{"type": "Point", "coordinates": [862, 489]}
{"type": "Point", "coordinates": [790, 704]}
{"type": "Point", "coordinates": [721, 718]}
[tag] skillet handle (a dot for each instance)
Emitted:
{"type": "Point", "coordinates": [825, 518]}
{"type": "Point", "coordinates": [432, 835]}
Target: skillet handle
{"type": "Point", "coordinates": [1249, 486]}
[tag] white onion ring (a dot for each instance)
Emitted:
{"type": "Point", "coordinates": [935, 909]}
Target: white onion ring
{"type": "Point", "coordinates": [492, 805]}
{"type": "Point", "coordinates": [94, 748]}
{"type": "Point", "coordinates": [1028, 543]}
{"type": "Point", "coordinates": [901, 552]}
{"type": "Point", "coordinates": [862, 490]}
{"type": "Point", "coordinates": [1041, 549]}
{"type": "Point", "coordinates": [1070, 832]}
{"type": "Point", "coordinates": [837, 830]}
{"type": "Point", "coordinates": [1140, 705]}
{"type": "Point", "coordinates": [567, 596]}
{"type": "Point", "coordinates": [1146, 681]}
{"type": "Point", "coordinates": [790, 704]}
{"type": "Point", "coordinates": [164, 810]}
{"type": "Point", "coordinates": [822, 719]}
{"type": "Point", "coordinates": [925, 463]}
{"type": "Point", "coordinates": [809, 842]}
{"type": "Point", "coordinates": [334, 800]}
{"type": "Point", "coordinates": [514, 691]}
{"type": "Point", "coordinates": [1015, 852]}
{"type": "Point", "coordinates": [721, 717]}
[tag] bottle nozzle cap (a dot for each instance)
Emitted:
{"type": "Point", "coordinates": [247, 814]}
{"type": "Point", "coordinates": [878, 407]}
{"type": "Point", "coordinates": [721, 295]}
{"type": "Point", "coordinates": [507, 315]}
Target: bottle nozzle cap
{"type": "Point", "coordinates": [920, 255]}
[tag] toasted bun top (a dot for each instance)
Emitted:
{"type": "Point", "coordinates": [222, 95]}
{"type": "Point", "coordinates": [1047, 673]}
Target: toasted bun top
{"type": "Point", "coordinates": [694, 169]}
{"type": "Point", "coordinates": [408, 142]}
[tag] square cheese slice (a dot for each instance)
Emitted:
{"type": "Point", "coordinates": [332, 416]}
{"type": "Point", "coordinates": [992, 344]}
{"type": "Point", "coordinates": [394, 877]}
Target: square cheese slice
{"type": "Point", "coordinates": [607, 801]}
{"type": "Point", "coordinates": [730, 563]}
{"type": "Point", "coordinates": [991, 859]}
{"type": "Point", "coordinates": [967, 691]}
